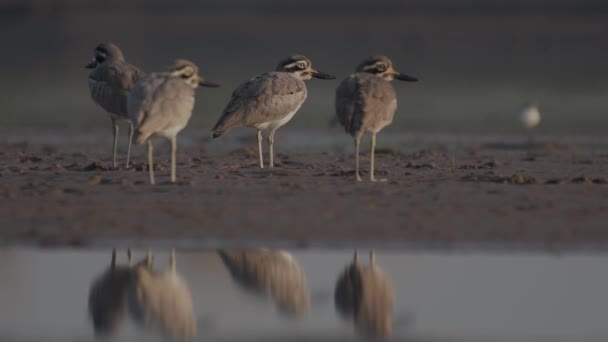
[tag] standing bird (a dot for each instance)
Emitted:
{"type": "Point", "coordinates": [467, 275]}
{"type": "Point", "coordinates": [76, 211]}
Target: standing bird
{"type": "Point", "coordinates": [163, 301]}
{"type": "Point", "coordinates": [269, 101]}
{"type": "Point", "coordinates": [365, 295]}
{"type": "Point", "coordinates": [366, 103]}
{"type": "Point", "coordinates": [110, 82]}
{"type": "Point", "coordinates": [161, 104]}
{"type": "Point", "coordinates": [275, 273]}
{"type": "Point", "coordinates": [108, 297]}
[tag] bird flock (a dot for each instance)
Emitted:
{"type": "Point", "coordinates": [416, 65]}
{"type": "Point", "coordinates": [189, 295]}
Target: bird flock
{"type": "Point", "coordinates": [160, 104]}
{"type": "Point", "coordinates": [162, 302]}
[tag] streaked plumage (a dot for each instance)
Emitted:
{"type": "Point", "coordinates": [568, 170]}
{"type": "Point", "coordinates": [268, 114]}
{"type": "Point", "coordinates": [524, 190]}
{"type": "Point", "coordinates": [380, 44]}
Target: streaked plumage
{"type": "Point", "coordinates": [163, 301]}
{"type": "Point", "coordinates": [268, 101]}
{"type": "Point", "coordinates": [108, 298]}
{"type": "Point", "coordinates": [366, 102]}
{"type": "Point", "coordinates": [110, 82]}
{"type": "Point", "coordinates": [365, 295]}
{"type": "Point", "coordinates": [160, 105]}
{"type": "Point", "coordinates": [275, 273]}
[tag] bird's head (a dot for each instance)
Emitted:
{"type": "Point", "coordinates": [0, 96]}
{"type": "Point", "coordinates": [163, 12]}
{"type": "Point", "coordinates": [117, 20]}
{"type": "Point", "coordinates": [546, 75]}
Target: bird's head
{"type": "Point", "coordinates": [105, 52]}
{"type": "Point", "coordinates": [301, 67]}
{"type": "Point", "coordinates": [188, 71]}
{"type": "Point", "coordinates": [382, 67]}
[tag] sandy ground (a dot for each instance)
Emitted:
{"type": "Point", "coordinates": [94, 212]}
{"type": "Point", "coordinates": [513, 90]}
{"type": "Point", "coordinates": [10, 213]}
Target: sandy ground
{"type": "Point", "coordinates": [62, 192]}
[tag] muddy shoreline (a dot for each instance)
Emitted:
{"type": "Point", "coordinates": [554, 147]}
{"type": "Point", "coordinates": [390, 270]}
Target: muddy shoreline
{"type": "Point", "coordinates": [543, 193]}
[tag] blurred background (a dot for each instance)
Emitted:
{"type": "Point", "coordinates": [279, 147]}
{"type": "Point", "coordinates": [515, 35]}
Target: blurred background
{"type": "Point", "coordinates": [479, 61]}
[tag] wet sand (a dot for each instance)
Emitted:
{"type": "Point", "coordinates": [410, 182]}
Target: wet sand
{"type": "Point", "coordinates": [64, 191]}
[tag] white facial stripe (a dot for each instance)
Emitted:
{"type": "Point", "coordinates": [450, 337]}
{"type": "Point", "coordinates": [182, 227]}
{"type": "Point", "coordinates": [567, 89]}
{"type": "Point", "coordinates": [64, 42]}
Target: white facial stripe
{"type": "Point", "coordinates": [291, 65]}
{"type": "Point", "coordinates": [369, 67]}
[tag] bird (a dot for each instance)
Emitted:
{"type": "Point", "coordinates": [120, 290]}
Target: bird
{"type": "Point", "coordinates": [107, 297]}
{"type": "Point", "coordinates": [366, 103]}
{"type": "Point", "coordinates": [530, 115]}
{"type": "Point", "coordinates": [163, 301]}
{"type": "Point", "coordinates": [274, 273]}
{"type": "Point", "coordinates": [269, 101]}
{"type": "Point", "coordinates": [160, 105]}
{"type": "Point", "coordinates": [110, 82]}
{"type": "Point", "coordinates": [365, 295]}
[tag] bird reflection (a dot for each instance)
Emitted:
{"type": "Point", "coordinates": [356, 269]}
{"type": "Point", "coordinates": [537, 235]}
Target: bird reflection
{"type": "Point", "coordinates": [107, 297]}
{"type": "Point", "coordinates": [365, 296]}
{"type": "Point", "coordinates": [274, 273]}
{"type": "Point", "coordinates": [162, 301]}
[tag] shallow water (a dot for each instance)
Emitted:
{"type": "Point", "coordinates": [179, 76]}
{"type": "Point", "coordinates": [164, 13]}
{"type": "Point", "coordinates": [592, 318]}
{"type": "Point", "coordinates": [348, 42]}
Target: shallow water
{"type": "Point", "coordinates": [440, 296]}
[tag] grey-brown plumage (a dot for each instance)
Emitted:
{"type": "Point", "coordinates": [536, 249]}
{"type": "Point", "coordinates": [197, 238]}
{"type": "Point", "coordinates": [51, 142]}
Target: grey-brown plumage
{"type": "Point", "coordinates": [274, 273]}
{"type": "Point", "coordinates": [268, 101]}
{"type": "Point", "coordinates": [110, 82]}
{"type": "Point", "coordinates": [107, 297]}
{"type": "Point", "coordinates": [160, 105]}
{"type": "Point", "coordinates": [365, 296]}
{"type": "Point", "coordinates": [163, 302]}
{"type": "Point", "coordinates": [366, 102]}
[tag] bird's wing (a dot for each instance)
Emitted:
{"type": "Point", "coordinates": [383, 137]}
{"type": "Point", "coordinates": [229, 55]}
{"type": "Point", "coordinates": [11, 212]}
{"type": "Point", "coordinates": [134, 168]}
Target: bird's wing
{"type": "Point", "coordinates": [362, 99]}
{"type": "Point", "coordinates": [156, 101]}
{"type": "Point", "coordinates": [110, 85]}
{"type": "Point", "coordinates": [265, 98]}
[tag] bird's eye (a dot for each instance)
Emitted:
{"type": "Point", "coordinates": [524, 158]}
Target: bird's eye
{"type": "Point", "coordinates": [381, 67]}
{"type": "Point", "coordinates": [301, 65]}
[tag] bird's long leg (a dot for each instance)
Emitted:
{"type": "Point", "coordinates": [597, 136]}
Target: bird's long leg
{"type": "Point", "coordinates": [260, 149]}
{"type": "Point", "coordinates": [271, 147]}
{"type": "Point", "coordinates": [372, 177]}
{"type": "Point", "coordinates": [372, 258]}
{"type": "Point", "coordinates": [357, 143]}
{"type": "Point", "coordinates": [173, 152]}
{"type": "Point", "coordinates": [115, 144]}
{"type": "Point", "coordinates": [129, 259]}
{"type": "Point", "coordinates": [130, 141]}
{"type": "Point", "coordinates": [172, 260]}
{"type": "Point", "coordinates": [113, 263]}
{"type": "Point", "coordinates": [150, 162]}
{"type": "Point", "coordinates": [149, 259]}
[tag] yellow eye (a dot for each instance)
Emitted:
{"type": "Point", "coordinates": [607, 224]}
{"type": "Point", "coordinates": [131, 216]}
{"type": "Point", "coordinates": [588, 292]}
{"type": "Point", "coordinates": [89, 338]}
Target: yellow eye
{"type": "Point", "coordinates": [301, 65]}
{"type": "Point", "coordinates": [381, 67]}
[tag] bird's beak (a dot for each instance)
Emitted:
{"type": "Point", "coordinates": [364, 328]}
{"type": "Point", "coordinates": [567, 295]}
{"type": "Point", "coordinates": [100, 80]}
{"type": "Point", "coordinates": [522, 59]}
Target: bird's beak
{"type": "Point", "coordinates": [204, 83]}
{"type": "Point", "coordinates": [91, 65]}
{"type": "Point", "coordinates": [321, 75]}
{"type": "Point", "coordinates": [403, 77]}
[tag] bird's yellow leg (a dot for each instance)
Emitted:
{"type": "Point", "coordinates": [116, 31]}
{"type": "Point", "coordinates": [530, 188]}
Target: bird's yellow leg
{"type": "Point", "coordinates": [271, 148]}
{"type": "Point", "coordinates": [260, 149]}
{"type": "Point", "coordinates": [115, 144]}
{"type": "Point", "coordinates": [372, 177]}
{"type": "Point", "coordinates": [172, 260]}
{"type": "Point", "coordinates": [357, 143]}
{"type": "Point", "coordinates": [173, 155]}
{"type": "Point", "coordinates": [150, 162]}
{"type": "Point", "coordinates": [129, 144]}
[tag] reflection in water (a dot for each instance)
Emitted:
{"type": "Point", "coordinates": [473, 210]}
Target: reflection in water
{"type": "Point", "coordinates": [108, 297]}
{"type": "Point", "coordinates": [454, 297]}
{"type": "Point", "coordinates": [162, 301]}
{"type": "Point", "coordinates": [275, 273]}
{"type": "Point", "coordinates": [365, 295]}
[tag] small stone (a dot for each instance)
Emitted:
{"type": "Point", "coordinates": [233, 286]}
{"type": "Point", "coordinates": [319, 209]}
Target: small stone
{"type": "Point", "coordinates": [95, 180]}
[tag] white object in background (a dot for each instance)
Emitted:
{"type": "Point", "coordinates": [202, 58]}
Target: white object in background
{"type": "Point", "coordinates": [530, 116]}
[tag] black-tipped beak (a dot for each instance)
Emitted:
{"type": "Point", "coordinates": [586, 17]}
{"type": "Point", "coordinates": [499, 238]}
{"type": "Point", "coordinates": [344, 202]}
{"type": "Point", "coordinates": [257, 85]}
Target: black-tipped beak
{"type": "Point", "coordinates": [404, 77]}
{"type": "Point", "coordinates": [204, 83]}
{"type": "Point", "coordinates": [321, 75]}
{"type": "Point", "coordinates": [91, 65]}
